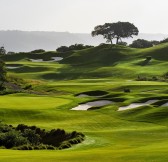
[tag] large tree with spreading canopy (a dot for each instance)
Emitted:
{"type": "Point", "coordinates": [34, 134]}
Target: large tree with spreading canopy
{"type": "Point", "coordinates": [116, 31]}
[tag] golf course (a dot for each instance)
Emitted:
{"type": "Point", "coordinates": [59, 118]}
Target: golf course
{"type": "Point", "coordinates": [115, 95]}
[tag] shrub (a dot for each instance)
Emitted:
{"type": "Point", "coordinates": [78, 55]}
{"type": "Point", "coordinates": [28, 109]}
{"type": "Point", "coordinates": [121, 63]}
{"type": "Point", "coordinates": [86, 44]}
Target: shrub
{"type": "Point", "coordinates": [127, 90]}
{"type": "Point", "coordinates": [25, 137]}
{"type": "Point", "coordinates": [122, 43]}
{"type": "Point", "coordinates": [72, 47]}
{"type": "Point", "coordinates": [38, 51]}
{"type": "Point", "coordinates": [11, 139]}
{"type": "Point", "coordinates": [31, 136]}
{"type": "Point", "coordinates": [141, 43]}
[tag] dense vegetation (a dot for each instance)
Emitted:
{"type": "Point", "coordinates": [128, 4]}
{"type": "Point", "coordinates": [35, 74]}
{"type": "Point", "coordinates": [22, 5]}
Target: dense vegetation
{"type": "Point", "coordinates": [25, 137]}
{"type": "Point", "coordinates": [72, 48]}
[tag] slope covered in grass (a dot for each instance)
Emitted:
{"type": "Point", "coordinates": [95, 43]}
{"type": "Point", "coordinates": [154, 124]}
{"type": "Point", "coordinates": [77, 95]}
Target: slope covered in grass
{"type": "Point", "coordinates": [105, 61]}
{"type": "Point", "coordinates": [133, 135]}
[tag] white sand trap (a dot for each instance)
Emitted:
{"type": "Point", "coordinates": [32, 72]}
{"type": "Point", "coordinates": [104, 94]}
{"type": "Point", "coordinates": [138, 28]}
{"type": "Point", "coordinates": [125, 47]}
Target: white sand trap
{"type": "Point", "coordinates": [89, 105]}
{"type": "Point", "coordinates": [165, 105]}
{"type": "Point", "coordinates": [36, 60]}
{"type": "Point", "coordinates": [56, 58]}
{"type": "Point", "coordinates": [82, 95]}
{"type": "Point", "coordinates": [53, 59]}
{"type": "Point", "coordinates": [12, 67]}
{"type": "Point", "coordinates": [135, 105]}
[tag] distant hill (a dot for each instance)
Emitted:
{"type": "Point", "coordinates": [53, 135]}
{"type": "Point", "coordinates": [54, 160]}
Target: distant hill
{"type": "Point", "coordinates": [24, 41]}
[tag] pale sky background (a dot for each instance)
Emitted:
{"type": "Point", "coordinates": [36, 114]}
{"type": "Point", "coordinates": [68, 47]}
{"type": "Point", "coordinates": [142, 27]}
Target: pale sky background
{"type": "Point", "coordinates": [81, 16]}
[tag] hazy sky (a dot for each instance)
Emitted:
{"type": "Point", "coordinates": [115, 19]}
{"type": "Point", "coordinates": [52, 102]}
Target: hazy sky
{"type": "Point", "coordinates": [80, 16]}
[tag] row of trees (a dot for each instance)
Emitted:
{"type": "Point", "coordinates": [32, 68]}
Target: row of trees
{"type": "Point", "coordinates": [72, 48]}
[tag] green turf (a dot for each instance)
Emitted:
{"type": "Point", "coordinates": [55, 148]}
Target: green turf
{"type": "Point", "coordinates": [133, 135]}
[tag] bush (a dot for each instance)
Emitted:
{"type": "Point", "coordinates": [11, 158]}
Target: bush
{"type": "Point", "coordinates": [12, 139]}
{"type": "Point", "coordinates": [141, 43]}
{"type": "Point", "coordinates": [164, 40]}
{"type": "Point", "coordinates": [122, 43]}
{"type": "Point", "coordinates": [25, 137]}
{"type": "Point", "coordinates": [127, 90]}
{"type": "Point", "coordinates": [38, 51]}
{"type": "Point", "coordinates": [72, 47]}
{"type": "Point", "coordinates": [31, 136]}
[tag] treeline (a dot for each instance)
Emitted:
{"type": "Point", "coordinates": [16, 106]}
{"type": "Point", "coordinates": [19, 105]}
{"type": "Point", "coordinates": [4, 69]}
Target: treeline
{"type": "Point", "coordinates": [73, 48]}
{"type": "Point", "coordinates": [142, 43]}
{"type": "Point", "coordinates": [25, 137]}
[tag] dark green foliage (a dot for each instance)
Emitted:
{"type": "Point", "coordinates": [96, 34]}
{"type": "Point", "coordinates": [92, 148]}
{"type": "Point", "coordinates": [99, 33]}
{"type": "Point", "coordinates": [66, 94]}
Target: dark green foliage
{"type": "Point", "coordinates": [116, 31]}
{"type": "Point", "coordinates": [12, 138]}
{"type": "Point", "coordinates": [73, 47]}
{"type": "Point", "coordinates": [2, 51]}
{"type": "Point", "coordinates": [10, 53]}
{"type": "Point", "coordinates": [94, 93]}
{"type": "Point", "coordinates": [164, 40]}
{"type": "Point", "coordinates": [127, 90]}
{"type": "Point", "coordinates": [122, 43]}
{"type": "Point", "coordinates": [62, 49]}
{"type": "Point", "coordinates": [38, 51]}
{"type": "Point", "coordinates": [141, 43]}
{"type": "Point", "coordinates": [25, 137]}
{"type": "Point", "coordinates": [31, 136]}
{"type": "Point", "coordinates": [147, 60]}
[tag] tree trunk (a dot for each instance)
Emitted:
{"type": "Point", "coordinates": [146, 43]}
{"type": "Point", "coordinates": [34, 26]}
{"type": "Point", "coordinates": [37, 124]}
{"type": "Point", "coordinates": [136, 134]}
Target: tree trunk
{"type": "Point", "coordinates": [111, 41]}
{"type": "Point", "coordinates": [117, 40]}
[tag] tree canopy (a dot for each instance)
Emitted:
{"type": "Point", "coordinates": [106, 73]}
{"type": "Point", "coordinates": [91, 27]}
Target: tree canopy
{"type": "Point", "coordinates": [2, 51]}
{"type": "Point", "coordinates": [116, 31]}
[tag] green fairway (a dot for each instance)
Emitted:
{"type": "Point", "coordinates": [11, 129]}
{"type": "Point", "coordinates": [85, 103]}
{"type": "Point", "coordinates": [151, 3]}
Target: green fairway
{"type": "Point", "coordinates": [133, 135]}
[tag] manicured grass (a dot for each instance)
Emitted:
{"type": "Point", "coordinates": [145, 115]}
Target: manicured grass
{"type": "Point", "coordinates": [132, 135]}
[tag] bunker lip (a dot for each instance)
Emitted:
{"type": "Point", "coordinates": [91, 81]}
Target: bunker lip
{"type": "Point", "coordinates": [165, 105]}
{"type": "Point", "coordinates": [136, 105]}
{"type": "Point", "coordinates": [91, 104]}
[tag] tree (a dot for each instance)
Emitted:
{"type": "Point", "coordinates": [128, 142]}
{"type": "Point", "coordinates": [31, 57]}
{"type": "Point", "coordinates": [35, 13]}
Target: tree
{"type": "Point", "coordinates": [164, 40]}
{"type": "Point", "coordinates": [116, 31]}
{"type": "Point", "coordinates": [141, 43]}
{"type": "Point", "coordinates": [2, 51]}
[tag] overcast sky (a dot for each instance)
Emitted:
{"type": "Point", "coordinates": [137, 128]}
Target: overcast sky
{"type": "Point", "coordinates": [80, 16]}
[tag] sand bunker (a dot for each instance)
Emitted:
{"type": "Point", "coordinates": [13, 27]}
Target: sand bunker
{"type": "Point", "coordinates": [53, 59]}
{"type": "Point", "coordinates": [82, 95]}
{"type": "Point", "coordinates": [89, 105]}
{"type": "Point", "coordinates": [36, 60]}
{"type": "Point", "coordinates": [135, 105]}
{"type": "Point", "coordinates": [56, 58]}
{"type": "Point", "coordinates": [12, 67]}
{"type": "Point", "coordinates": [165, 105]}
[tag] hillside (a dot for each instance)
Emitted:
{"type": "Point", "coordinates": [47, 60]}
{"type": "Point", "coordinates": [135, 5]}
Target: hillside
{"type": "Point", "coordinates": [105, 61]}
{"type": "Point", "coordinates": [50, 90]}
